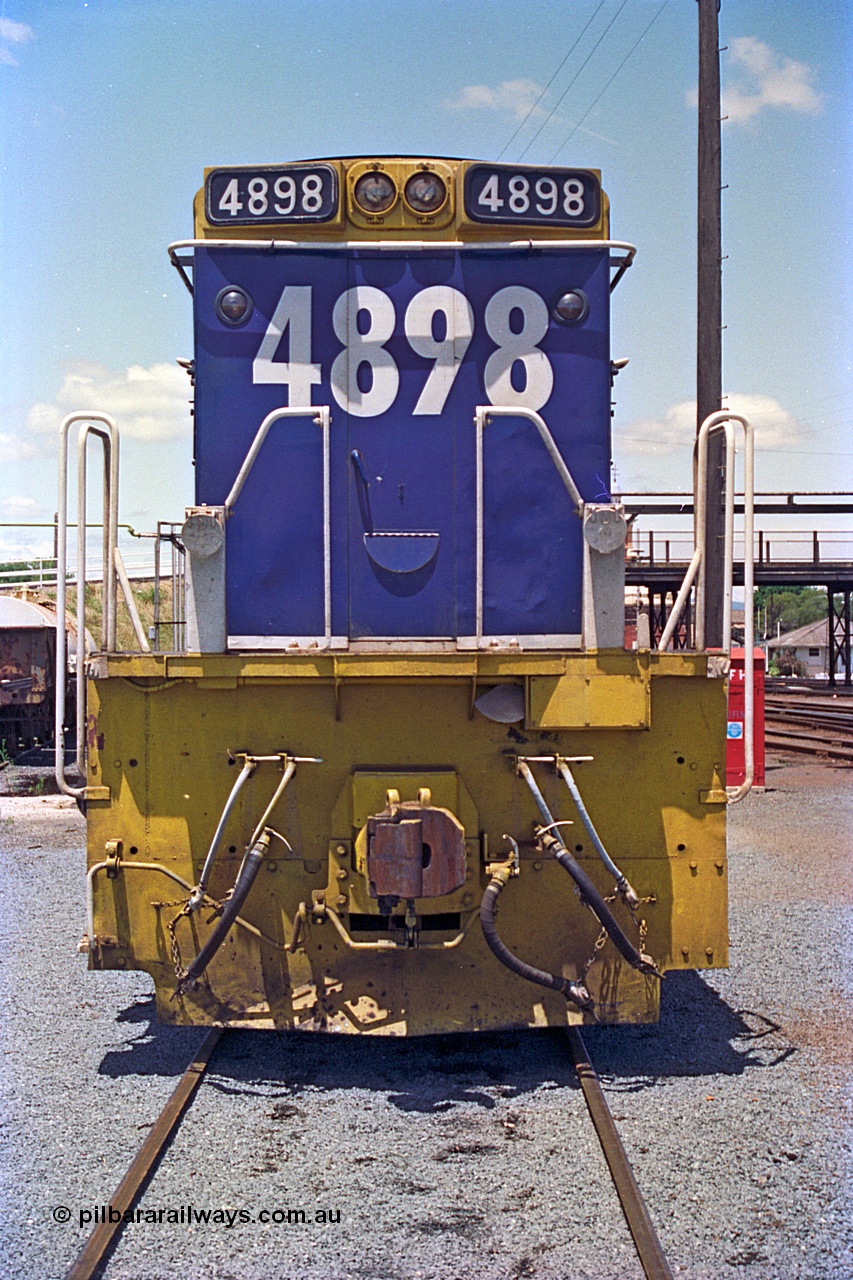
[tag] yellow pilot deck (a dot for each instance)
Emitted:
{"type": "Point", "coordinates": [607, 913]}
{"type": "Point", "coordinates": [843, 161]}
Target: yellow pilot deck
{"type": "Point", "coordinates": [167, 734]}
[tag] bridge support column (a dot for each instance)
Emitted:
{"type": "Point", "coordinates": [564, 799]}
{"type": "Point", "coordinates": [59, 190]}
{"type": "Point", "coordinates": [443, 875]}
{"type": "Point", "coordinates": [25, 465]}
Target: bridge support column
{"type": "Point", "coordinates": [838, 634]}
{"type": "Point", "coordinates": [661, 600]}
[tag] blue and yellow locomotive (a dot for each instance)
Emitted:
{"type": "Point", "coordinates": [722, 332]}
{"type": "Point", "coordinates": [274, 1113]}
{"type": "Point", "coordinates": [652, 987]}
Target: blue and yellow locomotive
{"type": "Point", "coordinates": [404, 692]}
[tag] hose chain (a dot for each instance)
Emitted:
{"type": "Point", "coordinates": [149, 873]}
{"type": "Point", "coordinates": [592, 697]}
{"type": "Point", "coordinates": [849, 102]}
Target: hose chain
{"type": "Point", "coordinates": [174, 946]}
{"type": "Point", "coordinates": [642, 928]}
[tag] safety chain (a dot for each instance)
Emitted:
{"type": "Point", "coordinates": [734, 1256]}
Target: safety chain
{"type": "Point", "coordinates": [601, 940]}
{"type": "Point", "coordinates": [174, 947]}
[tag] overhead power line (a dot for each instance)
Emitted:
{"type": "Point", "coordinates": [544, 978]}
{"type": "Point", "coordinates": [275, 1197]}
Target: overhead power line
{"type": "Point", "coordinates": [551, 81]}
{"type": "Point", "coordinates": [573, 79]}
{"type": "Point", "coordinates": [609, 82]}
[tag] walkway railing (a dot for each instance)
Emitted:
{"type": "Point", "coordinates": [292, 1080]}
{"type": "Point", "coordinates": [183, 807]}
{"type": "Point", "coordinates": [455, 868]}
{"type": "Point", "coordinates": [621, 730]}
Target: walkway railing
{"type": "Point", "coordinates": [663, 546]}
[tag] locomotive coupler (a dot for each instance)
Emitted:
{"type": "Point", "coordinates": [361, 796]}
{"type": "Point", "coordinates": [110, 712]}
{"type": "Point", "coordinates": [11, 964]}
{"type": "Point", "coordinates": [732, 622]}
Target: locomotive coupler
{"type": "Point", "coordinates": [414, 850]}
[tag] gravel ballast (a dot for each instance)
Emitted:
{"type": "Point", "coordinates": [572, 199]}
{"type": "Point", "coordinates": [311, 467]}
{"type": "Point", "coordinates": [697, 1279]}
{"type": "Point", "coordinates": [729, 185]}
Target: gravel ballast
{"type": "Point", "coordinates": [451, 1157]}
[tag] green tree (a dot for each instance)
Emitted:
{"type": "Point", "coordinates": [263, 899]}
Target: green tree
{"type": "Point", "coordinates": [787, 608]}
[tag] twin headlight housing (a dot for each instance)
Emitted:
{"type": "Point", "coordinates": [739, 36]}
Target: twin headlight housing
{"type": "Point", "coordinates": [424, 193]}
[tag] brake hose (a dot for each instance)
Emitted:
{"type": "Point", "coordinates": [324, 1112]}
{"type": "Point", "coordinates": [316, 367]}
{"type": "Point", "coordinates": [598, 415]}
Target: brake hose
{"type": "Point", "coordinates": [574, 991]}
{"type": "Point", "coordinates": [597, 905]}
{"type": "Point", "coordinates": [590, 895]}
{"type": "Point", "coordinates": [245, 879]}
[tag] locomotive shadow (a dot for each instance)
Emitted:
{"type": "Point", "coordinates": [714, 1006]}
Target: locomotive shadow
{"type": "Point", "coordinates": [156, 1049]}
{"type": "Point", "coordinates": [699, 1034]}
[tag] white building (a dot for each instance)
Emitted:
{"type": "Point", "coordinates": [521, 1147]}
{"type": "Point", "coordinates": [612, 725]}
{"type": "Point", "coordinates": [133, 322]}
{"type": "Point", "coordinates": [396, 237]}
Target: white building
{"type": "Point", "coordinates": [808, 645]}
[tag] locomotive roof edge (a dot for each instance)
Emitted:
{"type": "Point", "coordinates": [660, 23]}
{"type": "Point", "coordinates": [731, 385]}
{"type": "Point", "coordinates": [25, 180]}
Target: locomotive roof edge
{"type": "Point", "coordinates": [452, 223]}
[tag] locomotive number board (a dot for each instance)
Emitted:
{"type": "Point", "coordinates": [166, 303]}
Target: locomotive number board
{"type": "Point", "coordinates": [286, 193]}
{"type": "Point", "coordinates": [540, 197]}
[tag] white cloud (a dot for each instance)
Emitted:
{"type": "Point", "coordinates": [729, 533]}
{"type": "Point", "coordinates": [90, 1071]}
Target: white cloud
{"type": "Point", "coordinates": [513, 96]}
{"type": "Point", "coordinates": [14, 450]}
{"type": "Point", "coordinates": [658, 435]}
{"type": "Point", "coordinates": [25, 544]}
{"type": "Point", "coordinates": [148, 404]}
{"type": "Point", "coordinates": [775, 427]}
{"type": "Point", "coordinates": [12, 33]}
{"type": "Point", "coordinates": [16, 507]}
{"type": "Point", "coordinates": [762, 80]}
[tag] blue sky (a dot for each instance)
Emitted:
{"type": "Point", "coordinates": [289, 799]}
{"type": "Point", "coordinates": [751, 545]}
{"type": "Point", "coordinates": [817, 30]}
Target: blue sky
{"type": "Point", "coordinates": [112, 109]}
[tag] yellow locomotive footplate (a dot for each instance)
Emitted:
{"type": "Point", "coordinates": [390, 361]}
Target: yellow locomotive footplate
{"type": "Point", "coordinates": [400, 795]}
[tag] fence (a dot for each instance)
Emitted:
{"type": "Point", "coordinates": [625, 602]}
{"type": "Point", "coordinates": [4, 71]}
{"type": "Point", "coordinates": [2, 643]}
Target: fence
{"type": "Point", "coordinates": [655, 547]}
{"type": "Point", "coordinates": [159, 561]}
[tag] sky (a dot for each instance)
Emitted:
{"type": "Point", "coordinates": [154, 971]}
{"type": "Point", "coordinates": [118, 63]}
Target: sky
{"type": "Point", "coordinates": [111, 110]}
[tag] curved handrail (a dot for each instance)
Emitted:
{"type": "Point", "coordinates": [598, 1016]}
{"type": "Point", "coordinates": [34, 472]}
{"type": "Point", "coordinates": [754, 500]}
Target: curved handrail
{"type": "Point", "coordinates": [322, 417]}
{"type": "Point", "coordinates": [621, 264]}
{"type": "Point", "coordinates": [110, 441]}
{"type": "Point", "coordinates": [724, 418]}
{"type": "Point", "coordinates": [482, 414]}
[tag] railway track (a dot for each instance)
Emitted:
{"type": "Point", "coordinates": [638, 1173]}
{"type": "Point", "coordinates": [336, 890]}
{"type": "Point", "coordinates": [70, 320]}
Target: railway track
{"type": "Point", "coordinates": [96, 1253]}
{"type": "Point", "coordinates": [814, 723]}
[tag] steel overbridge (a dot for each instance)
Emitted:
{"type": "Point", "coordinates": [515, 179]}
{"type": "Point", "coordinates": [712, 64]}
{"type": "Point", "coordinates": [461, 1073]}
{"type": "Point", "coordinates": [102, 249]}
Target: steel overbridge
{"type": "Point", "coordinates": [658, 561]}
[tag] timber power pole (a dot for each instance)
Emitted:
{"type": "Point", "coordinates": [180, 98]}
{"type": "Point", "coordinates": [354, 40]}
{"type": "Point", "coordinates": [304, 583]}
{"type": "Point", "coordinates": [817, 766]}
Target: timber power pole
{"type": "Point", "coordinates": [709, 336]}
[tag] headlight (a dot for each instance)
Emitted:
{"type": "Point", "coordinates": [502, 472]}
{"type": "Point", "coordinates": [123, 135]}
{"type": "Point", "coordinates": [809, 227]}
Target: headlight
{"type": "Point", "coordinates": [570, 307]}
{"type": "Point", "coordinates": [233, 305]}
{"type": "Point", "coordinates": [375, 192]}
{"type": "Point", "coordinates": [425, 192]}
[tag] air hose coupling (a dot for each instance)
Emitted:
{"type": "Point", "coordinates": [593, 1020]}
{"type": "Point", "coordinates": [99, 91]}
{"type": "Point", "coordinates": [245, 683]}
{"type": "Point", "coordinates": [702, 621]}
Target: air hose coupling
{"type": "Point", "coordinates": [232, 904]}
{"type": "Point", "coordinates": [627, 894]}
{"type": "Point", "coordinates": [591, 898]}
{"type": "Point", "coordinates": [578, 994]}
{"type": "Point", "coordinates": [500, 874]}
{"type": "Point", "coordinates": [549, 842]}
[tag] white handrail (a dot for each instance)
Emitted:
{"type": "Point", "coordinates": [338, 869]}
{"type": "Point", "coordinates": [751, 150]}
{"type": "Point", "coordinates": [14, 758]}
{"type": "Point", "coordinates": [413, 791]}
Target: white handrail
{"type": "Point", "coordinates": [680, 600]}
{"type": "Point", "coordinates": [482, 414]}
{"type": "Point", "coordinates": [110, 441]}
{"type": "Point", "coordinates": [710, 424]}
{"type": "Point", "coordinates": [322, 417]}
{"type": "Point", "coordinates": [528, 241]}
{"type": "Point", "coordinates": [623, 247]}
{"type": "Point", "coordinates": [724, 419]}
{"type": "Point", "coordinates": [127, 592]}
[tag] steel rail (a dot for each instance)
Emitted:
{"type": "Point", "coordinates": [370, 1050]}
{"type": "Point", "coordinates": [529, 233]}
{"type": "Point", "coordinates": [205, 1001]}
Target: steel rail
{"type": "Point", "coordinates": [814, 724]}
{"type": "Point", "coordinates": [97, 1249]}
{"type": "Point", "coordinates": [652, 1260]}
{"type": "Point", "coordinates": [817, 714]}
{"type": "Point", "coordinates": [808, 745]}
{"type": "Point", "coordinates": [839, 730]}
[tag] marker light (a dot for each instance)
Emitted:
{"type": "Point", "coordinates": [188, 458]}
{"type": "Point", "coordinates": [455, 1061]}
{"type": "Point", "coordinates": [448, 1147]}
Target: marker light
{"type": "Point", "coordinates": [571, 307]}
{"type": "Point", "coordinates": [375, 192]}
{"type": "Point", "coordinates": [425, 192]}
{"type": "Point", "coordinates": [233, 305]}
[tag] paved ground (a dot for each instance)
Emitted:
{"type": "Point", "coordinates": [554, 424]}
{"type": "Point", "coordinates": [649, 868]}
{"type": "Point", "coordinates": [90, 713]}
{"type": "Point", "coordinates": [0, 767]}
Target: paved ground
{"type": "Point", "coordinates": [457, 1156]}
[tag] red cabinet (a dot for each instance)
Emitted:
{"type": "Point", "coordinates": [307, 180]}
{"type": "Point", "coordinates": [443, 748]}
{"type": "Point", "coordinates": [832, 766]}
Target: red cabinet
{"type": "Point", "coordinates": [735, 754]}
